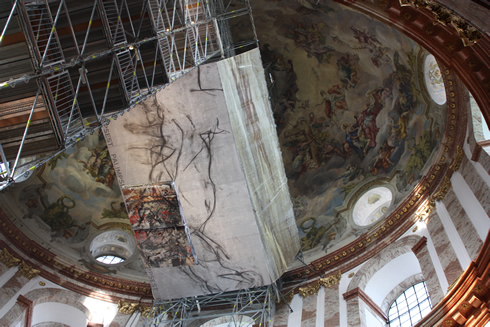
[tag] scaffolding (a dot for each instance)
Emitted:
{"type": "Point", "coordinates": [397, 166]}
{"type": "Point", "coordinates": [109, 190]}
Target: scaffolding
{"type": "Point", "coordinates": [250, 307]}
{"type": "Point", "coordinates": [83, 79]}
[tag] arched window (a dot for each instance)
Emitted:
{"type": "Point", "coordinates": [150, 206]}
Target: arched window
{"type": "Point", "coordinates": [410, 307]}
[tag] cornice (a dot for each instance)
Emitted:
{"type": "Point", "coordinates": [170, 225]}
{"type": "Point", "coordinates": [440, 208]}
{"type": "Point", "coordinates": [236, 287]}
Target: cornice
{"type": "Point", "coordinates": [357, 292]}
{"type": "Point", "coordinates": [468, 301]}
{"type": "Point", "coordinates": [48, 259]}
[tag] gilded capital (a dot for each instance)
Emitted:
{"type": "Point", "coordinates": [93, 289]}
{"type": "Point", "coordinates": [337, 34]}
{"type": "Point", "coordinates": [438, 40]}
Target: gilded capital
{"type": "Point", "coordinates": [28, 271]}
{"type": "Point", "coordinates": [8, 259]}
{"type": "Point", "coordinates": [127, 307]}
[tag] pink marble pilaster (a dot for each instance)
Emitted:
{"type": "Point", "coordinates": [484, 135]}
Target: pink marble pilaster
{"type": "Point", "coordinates": [476, 183]}
{"type": "Point", "coordinates": [353, 309]}
{"type": "Point", "coordinates": [445, 252]}
{"type": "Point", "coordinates": [308, 316]}
{"type": "Point", "coordinates": [430, 276]}
{"type": "Point", "coordinates": [332, 316]}
{"type": "Point", "coordinates": [463, 224]}
{"type": "Point", "coordinates": [10, 288]}
{"type": "Point", "coordinates": [281, 315]}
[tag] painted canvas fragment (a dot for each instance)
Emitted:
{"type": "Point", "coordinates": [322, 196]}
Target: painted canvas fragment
{"type": "Point", "coordinates": [158, 224]}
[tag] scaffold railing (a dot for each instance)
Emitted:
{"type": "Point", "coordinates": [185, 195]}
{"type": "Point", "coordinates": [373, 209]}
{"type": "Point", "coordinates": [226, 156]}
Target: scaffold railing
{"type": "Point", "coordinates": [184, 34]}
{"type": "Point", "coordinates": [248, 307]}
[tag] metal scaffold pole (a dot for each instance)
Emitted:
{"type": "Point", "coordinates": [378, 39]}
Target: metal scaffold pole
{"type": "Point", "coordinates": [245, 307]}
{"type": "Point", "coordinates": [182, 35]}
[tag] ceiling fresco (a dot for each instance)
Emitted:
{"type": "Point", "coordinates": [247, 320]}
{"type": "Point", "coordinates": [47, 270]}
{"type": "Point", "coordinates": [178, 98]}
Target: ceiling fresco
{"type": "Point", "coordinates": [70, 200]}
{"type": "Point", "coordinates": [351, 109]}
{"type": "Point", "coordinates": [352, 114]}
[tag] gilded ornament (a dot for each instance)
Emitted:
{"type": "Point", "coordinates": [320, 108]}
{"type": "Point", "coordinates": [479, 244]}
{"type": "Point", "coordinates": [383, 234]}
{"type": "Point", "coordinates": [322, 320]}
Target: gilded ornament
{"type": "Point", "coordinates": [458, 159]}
{"type": "Point", "coordinates": [351, 275]}
{"type": "Point", "coordinates": [8, 259]}
{"type": "Point", "coordinates": [41, 283]}
{"type": "Point", "coordinates": [146, 311]}
{"type": "Point", "coordinates": [331, 280]}
{"type": "Point", "coordinates": [309, 290]}
{"type": "Point", "coordinates": [441, 192]}
{"type": "Point", "coordinates": [444, 16]}
{"type": "Point", "coordinates": [289, 296]}
{"type": "Point", "coordinates": [126, 307]}
{"type": "Point", "coordinates": [313, 288]}
{"type": "Point", "coordinates": [28, 271]}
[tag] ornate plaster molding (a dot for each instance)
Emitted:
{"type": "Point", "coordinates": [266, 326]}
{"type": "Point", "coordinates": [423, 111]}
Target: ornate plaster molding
{"type": "Point", "coordinates": [441, 192]}
{"type": "Point", "coordinates": [129, 308]}
{"type": "Point", "coordinates": [25, 269]}
{"type": "Point", "coordinates": [458, 159]}
{"type": "Point", "coordinates": [289, 296]}
{"type": "Point", "coordinates": [8, 259]}
{"type": "Point", "coordinates": [446, 17]}
{"type": "Point", "coordinates": [313, 288]}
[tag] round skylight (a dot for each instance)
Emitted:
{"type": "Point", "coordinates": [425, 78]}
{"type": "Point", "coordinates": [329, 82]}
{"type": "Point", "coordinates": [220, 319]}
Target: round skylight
{"type": "Point", "coordinates": [112, 247]}
{"type": "Point", "coordinates": [372, 205]}
{"type": "Point", "coordinates": [434, 81]}
{"type": "Point", "coordinates": [110, 259]}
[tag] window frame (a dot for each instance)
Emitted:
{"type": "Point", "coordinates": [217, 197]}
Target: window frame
{"type": "Point", "coordinates": [421, 297]}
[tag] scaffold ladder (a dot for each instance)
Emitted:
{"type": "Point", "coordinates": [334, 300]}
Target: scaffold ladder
{"type": "Point", "coordinates": [126, 66]}
{"type": "Point", "coordinates": [64, 107]}
{"type": "Point", "coordinates": [111, 20]}
{"type": "Point", "coordinates": [41, 33]}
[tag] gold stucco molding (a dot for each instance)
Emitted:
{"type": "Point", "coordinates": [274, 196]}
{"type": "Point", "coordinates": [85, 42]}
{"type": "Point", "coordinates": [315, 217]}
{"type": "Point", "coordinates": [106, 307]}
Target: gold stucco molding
{"type": "Point", "coordinates": [129, 308]}
{"type": "Point", "coordinates": [289, 296]}
{"type": "Point", "coordinates": [458, 159]}
{"type": "Point", "coordinates": [313, 288]}
{"type": "Point", "coordinates": [25, 269]}
{"type": "Point", "coordinates": [444, 16]}
{"type": "Point", "coordinates": [441, 192]}
{"type": "Point", "coordinates": [8, 259]}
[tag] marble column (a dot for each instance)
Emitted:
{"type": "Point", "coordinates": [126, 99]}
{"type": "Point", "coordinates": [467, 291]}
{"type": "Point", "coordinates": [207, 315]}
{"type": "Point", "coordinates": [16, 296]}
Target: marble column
{"type": "Point", "coordinates": [433, 286]}
{"type": "Point", "coordinates": [480, 189]}
{"type": "Point", "coordinates": [10, 288]}
{"type": "Point", "coordinates": [281, 315]}
{"type": "Point", "coordinates": [463, 225]}
{"type": "Point", "coordinates": [353, 308]}
{"type": "Point", "coordinates": [308, 315]}
{"type": "Point", "coordinates": [449, 261]}
{"type": "Point", "coordinates": [331, 312]}
{"type": "Point", "coordinates": [6, 274]}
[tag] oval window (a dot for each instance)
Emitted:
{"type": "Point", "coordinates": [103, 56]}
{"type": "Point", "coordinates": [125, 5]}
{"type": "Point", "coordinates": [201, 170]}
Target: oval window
{"type": "Point", "coordinates": [372, 205]}
{"type": "Point", "coordinates": [433, 80]}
